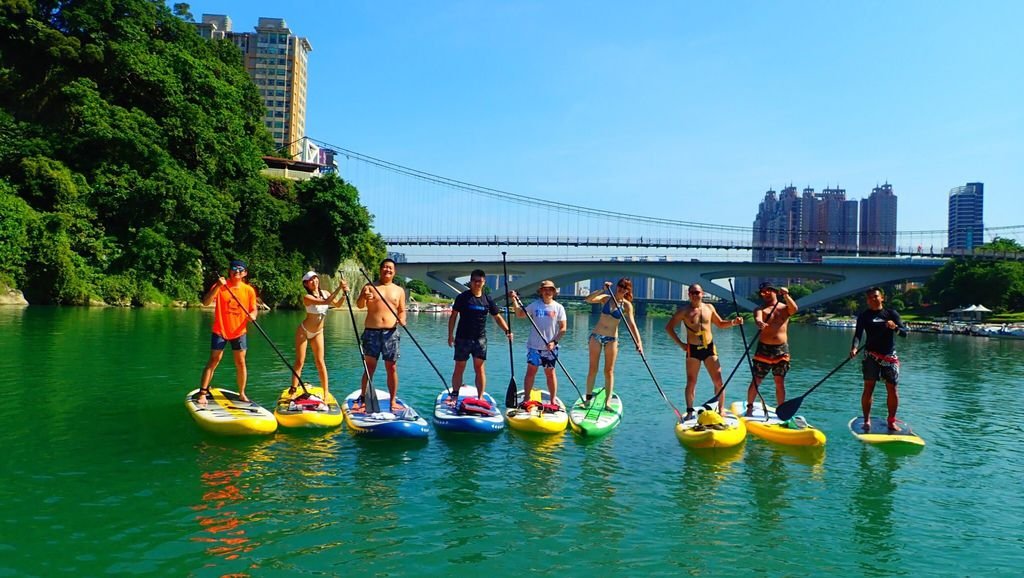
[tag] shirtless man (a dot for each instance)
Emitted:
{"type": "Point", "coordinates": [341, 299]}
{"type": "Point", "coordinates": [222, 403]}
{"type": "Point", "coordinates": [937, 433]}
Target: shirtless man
{"type": "Point", "coordinates": [772, 353]}
{"type": "Point", "coordinates": [380, 334]}
{"type": "Point", "coordinates": [697, 317]}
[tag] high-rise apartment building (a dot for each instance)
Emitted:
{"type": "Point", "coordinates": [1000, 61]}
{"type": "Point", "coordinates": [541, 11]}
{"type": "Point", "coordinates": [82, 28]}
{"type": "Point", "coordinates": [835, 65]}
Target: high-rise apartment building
{"type": "Point", "coordinates": [780, 225]}
{"type": "Point", "coordinates": [878, 221]}
{"type": "Point", "coordinates": [792, 226]}
{"type": "Point", "coordinates": [277, 61]}
{"type": "Point", "coordinates": [966, 222]}
{"type": "Point", "coordinates": [834, 220]}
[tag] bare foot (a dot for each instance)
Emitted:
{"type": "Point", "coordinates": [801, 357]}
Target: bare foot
{"type": "Point", "coordinates": [242, 397]}
{"type": "Point", "coordinates": [201, 400]}
{"type": "Point", "coordinates": [867, 425]}
{"type": "Point", "coordinates": [892, 425]}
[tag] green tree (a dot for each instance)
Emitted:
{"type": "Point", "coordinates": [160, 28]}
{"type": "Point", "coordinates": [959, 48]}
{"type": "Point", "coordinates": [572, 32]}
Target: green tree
{"type": "Point", "coordinates": [997, 284]}
{"type": "Point", "coordinates": [418, 287]}
{"type": "Point", "coordinates": [332, 225]}
{"type": "Point", "coordinates": [134, 147]}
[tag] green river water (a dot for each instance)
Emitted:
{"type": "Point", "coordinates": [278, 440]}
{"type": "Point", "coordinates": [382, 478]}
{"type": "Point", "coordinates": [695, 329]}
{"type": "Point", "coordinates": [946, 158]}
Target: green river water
{"type": "Point", "coordinates": [104, 472]}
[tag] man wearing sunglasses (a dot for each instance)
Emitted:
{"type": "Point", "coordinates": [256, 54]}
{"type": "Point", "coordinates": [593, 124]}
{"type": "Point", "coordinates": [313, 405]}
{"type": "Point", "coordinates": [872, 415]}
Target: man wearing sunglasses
{"type": "Point", "coordinates": [697, 317]}
{"type": "Point", "coordinates": [234, 307]}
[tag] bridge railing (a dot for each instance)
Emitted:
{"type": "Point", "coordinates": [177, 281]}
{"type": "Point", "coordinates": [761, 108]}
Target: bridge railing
{"type": "Point", "coordinates": [804, 251]}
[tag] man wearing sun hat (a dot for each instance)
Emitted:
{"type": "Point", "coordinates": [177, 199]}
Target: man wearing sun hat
{"type": "Point", "coordinates": [234, 307]}
{"type": "Point", "coordinates": [542, 347]}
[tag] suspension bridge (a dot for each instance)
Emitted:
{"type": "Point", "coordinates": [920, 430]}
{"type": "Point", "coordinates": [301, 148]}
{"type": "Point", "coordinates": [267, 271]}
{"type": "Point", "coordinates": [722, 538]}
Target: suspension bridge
{"type": "Point", "coordinates": [434, 218]}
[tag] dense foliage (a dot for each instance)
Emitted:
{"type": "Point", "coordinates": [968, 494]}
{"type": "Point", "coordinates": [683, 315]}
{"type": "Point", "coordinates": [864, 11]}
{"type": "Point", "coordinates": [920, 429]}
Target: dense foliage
{"type": "Point", "coordinates": [996, 284]}
{"type": "Point", "coordinates": [130, 159]}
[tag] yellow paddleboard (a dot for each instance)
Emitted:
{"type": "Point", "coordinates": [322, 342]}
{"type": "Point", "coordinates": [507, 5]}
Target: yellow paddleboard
{"type": "Point", "coordinates": [226, 414]}
{"type": "Point", "coordinates": [313, 410]}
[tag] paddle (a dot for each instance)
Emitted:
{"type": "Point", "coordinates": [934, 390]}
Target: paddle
{"type": "Point", "coordinates": [271, 342]}
{"type": "Point", "coordinates": [558, 361]}
{"type": "Point", "coordinates": [789, 407]}
{"type": "Point", "coordinates": [753, 340]}
{"type": "Point", "coordinates": [407, 332]}
{"type": "Point", "coordinates": [679, 416]}
{"type": "Point", "coordinates": [746, 349]}
{"type": "Point", "coordinates": [512, 393]}
{"type": "Point", "coordinates": [370, 401]}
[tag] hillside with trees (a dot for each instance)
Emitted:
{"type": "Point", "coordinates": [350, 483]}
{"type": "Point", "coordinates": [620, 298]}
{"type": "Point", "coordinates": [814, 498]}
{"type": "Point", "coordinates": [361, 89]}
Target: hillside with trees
{"type": "Point", "coordinates": [130, 159]}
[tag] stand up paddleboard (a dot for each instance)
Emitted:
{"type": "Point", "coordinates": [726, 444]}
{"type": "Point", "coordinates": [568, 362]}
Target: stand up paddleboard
{"type": "Point", "coordinates": [469, 414]}
{"type": "Point", "coordinates": [729, 434]}
{"type": "Point", "coordinates": [539, 415]}
{"type": "Point", "coordinates": [296, 409]}
{"type": "Point", "coordinates": [595, 420]}
{"type": "Point", "coordinates": [797, 432]}
{"type": "Point", "coordinates": [881, 434]}
{"type": "Point", "coordinates": [226, 414]}
{"type": "Point", "coordinates": [388, 422]}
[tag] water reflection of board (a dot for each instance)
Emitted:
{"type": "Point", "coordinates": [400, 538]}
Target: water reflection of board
{"type": "Point", "coordinates": [880, 433]}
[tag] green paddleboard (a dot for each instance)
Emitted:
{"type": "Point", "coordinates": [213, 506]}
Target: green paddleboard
{"type": "Point", "coordinates": [595, 420]}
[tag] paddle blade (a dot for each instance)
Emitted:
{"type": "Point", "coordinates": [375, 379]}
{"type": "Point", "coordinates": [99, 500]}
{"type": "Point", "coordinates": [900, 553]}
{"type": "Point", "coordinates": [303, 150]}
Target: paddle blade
{"type": "Point", "coordinates": [788, 409]}
{"type": "Point", "coordinates": [371, 401]}
{"type": "Point", "coordinates": [511, 394]}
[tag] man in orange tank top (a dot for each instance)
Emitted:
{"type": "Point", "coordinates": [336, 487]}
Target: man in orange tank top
{"type": "Point", "coordinates": [231, 317]}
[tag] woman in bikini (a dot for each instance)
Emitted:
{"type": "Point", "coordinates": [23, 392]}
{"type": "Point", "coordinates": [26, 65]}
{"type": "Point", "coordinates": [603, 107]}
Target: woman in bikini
{"type": "Point", "coordinates": [311, 330]}
{"type": "Point", "coordinates": [605, 334]}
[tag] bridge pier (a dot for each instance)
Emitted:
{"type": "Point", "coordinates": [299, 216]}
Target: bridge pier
{"type": "Point", "coordinates": [639, 308]}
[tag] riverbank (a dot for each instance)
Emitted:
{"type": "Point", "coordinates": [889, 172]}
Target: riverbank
{"type": "Point", "coordinates": [1007, 330]}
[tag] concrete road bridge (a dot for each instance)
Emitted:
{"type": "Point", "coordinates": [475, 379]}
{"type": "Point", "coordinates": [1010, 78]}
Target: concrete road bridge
{"type": "Point", "coordinates": [848, 277]}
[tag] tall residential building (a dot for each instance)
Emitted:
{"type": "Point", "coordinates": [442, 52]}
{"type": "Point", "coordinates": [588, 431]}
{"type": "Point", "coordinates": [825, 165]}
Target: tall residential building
{"type": "Point", "coordinates": [800, 227]}
{"type": "Point", "coordinates": [966, 222]}
{"type": "Point", "coordinates": [779, 226]}
{"type": "Point", "coordinates": [834, 220]}
{"type": "Point", "coordinates": [878, 221]}
{"type": "Point", "coordinates": [277, 61]}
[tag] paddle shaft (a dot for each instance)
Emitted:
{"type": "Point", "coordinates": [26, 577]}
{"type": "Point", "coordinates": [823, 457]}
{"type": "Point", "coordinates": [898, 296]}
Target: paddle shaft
{"type": "Point", "coordinates": [512, 393]}
{"type": "Point", "coordinates": [746, 349]}
{"type": "Point", "coordinates": [271, 342]}
{"type": "Point", "coordinates": [789, 408]}
{"type": "Point", "coordinates": [370, 395]}
{"type": "Point", "coordinates": [644, 359]}
{"type": "Point", "coordinates": [753, 340]}
{"type": "Point", "coordinates": [558, 361]}
{"type": "Point", "coordinates": [407, 332]}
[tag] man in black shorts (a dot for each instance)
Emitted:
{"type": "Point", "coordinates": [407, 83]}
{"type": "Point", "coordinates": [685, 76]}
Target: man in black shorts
{"type": "Point", "coordinates": [470, 309]}
{"type": "Point", "coordinates": [881, 325]}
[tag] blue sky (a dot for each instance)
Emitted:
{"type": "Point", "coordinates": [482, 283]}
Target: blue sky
{"type": "Point", "coordinates": [682, 110]}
